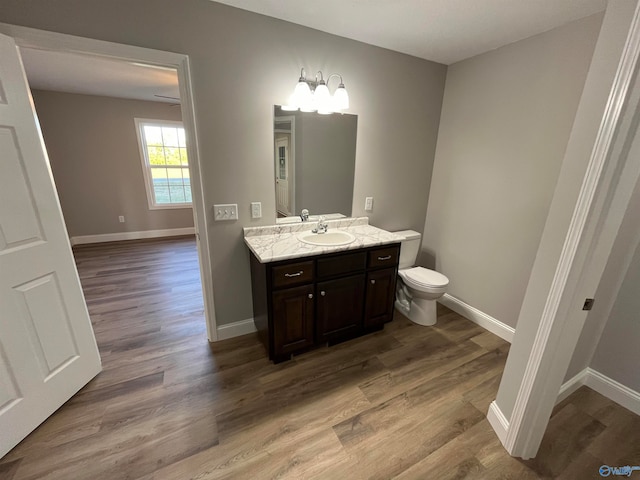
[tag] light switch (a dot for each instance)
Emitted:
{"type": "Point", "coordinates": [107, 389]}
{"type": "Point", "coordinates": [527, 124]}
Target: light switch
{"type": "Point", "coordinates": [227, 211]}
{"type": "Point", "coordinates": [256, 210]}
{"type": "Point", "coordinates": [368, 204]}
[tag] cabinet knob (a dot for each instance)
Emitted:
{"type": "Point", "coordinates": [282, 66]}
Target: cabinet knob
{"type": "Point", "coordinates": [323, 293]}
{"type": "Point", "coordinates": [373, 282]}
{"type": "Point", "coordinates": [311, 295]}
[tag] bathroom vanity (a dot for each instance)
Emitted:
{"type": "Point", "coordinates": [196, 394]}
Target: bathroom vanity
{"type": "Point", "coordinates": [308, 295]}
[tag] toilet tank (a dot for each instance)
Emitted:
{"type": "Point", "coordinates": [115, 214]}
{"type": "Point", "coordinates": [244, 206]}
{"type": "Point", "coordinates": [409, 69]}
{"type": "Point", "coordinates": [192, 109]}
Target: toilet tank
{"type": "Point", "coordinates": [409, 248]}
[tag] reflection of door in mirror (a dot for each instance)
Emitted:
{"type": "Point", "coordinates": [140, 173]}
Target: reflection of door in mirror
{"type": "Point", "coordinates": [284, 163]}
{"type": "Point", "coordinates": [283, 196]}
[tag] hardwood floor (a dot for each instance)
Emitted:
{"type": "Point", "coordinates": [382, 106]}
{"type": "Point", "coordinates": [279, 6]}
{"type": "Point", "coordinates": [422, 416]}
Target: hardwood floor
{"type": "Point", "coordinates": [408, 402]}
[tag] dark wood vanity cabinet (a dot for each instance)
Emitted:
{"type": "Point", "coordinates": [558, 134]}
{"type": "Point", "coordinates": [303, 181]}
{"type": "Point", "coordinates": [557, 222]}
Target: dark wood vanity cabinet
{"type": "Point", "coordinates": [293, 312]}
{"type": "Point", "coordinates": [339, 308]}
{"type": "Point", "coordinates": [323, 299]}
{"type": "Point", "coordinates": [381, 289]}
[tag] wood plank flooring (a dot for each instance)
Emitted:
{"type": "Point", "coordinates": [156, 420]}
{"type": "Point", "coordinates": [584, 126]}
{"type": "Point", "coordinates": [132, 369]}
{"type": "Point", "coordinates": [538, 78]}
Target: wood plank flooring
{"type": "Point", "coordinates": [408, 402]}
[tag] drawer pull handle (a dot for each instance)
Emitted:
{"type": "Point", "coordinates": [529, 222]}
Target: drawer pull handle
{"type": "Point", "coordinates": [294, 274]}
{"type": "Point", "coordinates": [311, 295]}
{"type": "Point", "coordinates": [388, 257]}
{"type": "Point", "coordinates": [373, 282]}
{"type": "Point", "coordinates": [323, 293]}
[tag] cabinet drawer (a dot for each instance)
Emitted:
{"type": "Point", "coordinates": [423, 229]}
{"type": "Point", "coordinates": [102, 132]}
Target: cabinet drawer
{"type": "Point", "coordinates": [384, 257]}
{"type": "Point", "coordinates": [292, 274]}
{"type": "Point", "coordinates": [342, 264]}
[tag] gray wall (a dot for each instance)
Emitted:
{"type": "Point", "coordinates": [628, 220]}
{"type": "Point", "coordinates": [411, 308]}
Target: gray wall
{"type": "Point", "coordinates": [96, 164]}
{"type": "Point", "coordinates": [621, 263]}
{"type": "Point", "coordinates": [242, 64]}
{"type": "Point", "coordinates": [586, 125]}
{"type": "Point", "coordinates": [505, 123]}
{"type": "Point", "coordinates": [618, 352]}
{"type": "Point", "coordinates": [325, 166]}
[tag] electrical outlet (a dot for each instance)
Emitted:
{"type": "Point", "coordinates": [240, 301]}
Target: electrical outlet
{"type": "Point", "coordinates": [368, 204]}
{"type": "Point", "coordinates": [227, 211]}
{"type": "Point", "coordinates": [121, 218]}
{"type": "Point", "coordinates": [256, 210]}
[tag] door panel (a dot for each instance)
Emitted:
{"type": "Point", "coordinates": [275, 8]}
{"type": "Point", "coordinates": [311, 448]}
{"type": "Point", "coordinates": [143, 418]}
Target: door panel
{"type": "Point", "coordinates": [17, 216]}
{"type": "Point", "coordinates": [47, 347]}
{"type": "Point", "coordinates": [381, 288]}
{"type": "Point", "coordinates": [9, 391]}
{"type": "Point", "coordinates": [292, 319]}
{"type": "Point", "coordinates": [41, 305]}
{"type": "Point", "coordinates": [339, 312]}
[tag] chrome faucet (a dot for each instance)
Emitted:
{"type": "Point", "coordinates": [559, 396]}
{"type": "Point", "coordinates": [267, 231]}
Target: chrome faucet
{"type": "Point", "coordinates": [304, 215]}
{"type": "Point", "coordinates": [322, 226]}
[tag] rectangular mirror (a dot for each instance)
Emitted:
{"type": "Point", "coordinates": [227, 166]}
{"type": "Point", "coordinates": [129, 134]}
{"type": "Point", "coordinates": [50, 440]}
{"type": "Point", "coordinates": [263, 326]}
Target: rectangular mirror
{"type": "Point", "coordinates": [314, 162]}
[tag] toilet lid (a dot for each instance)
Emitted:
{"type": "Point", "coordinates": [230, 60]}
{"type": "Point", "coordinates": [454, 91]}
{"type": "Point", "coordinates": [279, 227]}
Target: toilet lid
{"type": "Point", "coordinates": [428, 278]}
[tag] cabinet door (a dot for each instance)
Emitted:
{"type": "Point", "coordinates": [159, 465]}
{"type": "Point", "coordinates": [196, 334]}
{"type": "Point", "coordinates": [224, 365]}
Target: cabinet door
{"type": "Point", "coordinates": [339, 308]}
{"type": "Point", "coordinates": [292, 319]}
{"type": "Point", "coordinates": [381, 287]}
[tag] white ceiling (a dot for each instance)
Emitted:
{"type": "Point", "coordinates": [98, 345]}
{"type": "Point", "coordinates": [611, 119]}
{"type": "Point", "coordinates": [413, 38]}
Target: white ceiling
{"type": "Point", "coordinates": [74, 73]}
{"type": "Point", "coordinates": [445, 31]}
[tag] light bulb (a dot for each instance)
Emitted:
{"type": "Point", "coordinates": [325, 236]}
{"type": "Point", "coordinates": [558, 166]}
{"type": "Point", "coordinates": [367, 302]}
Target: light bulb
{"type": "Point", "coordinates": [340, 98]}
{"type": "Point", "coordinates": [289, 107]}
{"type": "Point", "coordinates": [302, 96]}
{"type": "Point", "coordinates": [322, 98]}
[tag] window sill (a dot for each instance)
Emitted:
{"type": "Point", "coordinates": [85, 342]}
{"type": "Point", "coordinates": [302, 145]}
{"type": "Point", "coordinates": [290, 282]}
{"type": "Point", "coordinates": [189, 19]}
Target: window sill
{"type": "Point", "coordinates": [171, 207]}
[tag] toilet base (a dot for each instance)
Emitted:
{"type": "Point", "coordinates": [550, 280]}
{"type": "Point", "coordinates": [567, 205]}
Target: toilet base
{"type": "Point", "coordinates": [421, 311]}
{"type": "Point", "coordinates": [402, 307]}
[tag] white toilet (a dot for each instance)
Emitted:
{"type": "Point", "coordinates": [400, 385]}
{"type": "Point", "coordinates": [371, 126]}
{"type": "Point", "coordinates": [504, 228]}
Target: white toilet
{"type": "Point", "coordinates": [418, 287]}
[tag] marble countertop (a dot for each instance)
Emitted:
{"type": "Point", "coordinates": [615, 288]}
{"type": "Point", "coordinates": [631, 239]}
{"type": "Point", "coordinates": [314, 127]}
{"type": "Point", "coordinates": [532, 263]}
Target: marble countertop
{"type": "Point", "coordinates": [280, 242]}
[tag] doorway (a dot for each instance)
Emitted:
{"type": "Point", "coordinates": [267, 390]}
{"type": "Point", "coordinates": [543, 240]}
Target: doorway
{"type": "Point", "coordinates": [26, 38]}
{"type": "Point", "coordinates": [284, 164]}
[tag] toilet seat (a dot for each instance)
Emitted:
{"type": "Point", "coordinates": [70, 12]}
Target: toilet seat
{"type": "Point", "coordinates": [423, 278]}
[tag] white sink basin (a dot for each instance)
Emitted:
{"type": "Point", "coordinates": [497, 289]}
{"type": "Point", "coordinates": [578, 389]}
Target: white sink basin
{"type": "Point", "coordinates": [328, 239]}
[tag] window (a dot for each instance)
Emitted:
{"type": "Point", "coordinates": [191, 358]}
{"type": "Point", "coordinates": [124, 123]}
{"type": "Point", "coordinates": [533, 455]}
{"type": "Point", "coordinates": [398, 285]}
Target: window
{"type": "Point", "coordinates": [165, 164]}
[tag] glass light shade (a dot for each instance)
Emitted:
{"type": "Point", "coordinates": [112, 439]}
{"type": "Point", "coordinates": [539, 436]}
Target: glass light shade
{"type": "Point", "coordinates": [290, 107]}
{"type": "Point", "coordinates": [307, 107]}
{"type": "Point", "coordinates": [341, 99]}
{"type": "Point", "coordinates": [302, 97]}
{"type": "Point", "coordinates": [322, 99]}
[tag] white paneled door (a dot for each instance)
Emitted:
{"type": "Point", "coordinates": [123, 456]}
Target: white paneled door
{"type": "Point", "coordinates": [47, 347]}
{"type": "Point", "coordinates": [283, 195]}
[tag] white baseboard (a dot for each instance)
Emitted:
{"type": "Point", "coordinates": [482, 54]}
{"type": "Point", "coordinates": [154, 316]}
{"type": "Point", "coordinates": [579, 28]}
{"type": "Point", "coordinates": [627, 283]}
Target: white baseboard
{"type": "Point", "coordinates": [621, 394]}
{"type": "Point", "coordinates": [615, 391]}
{"type": "Point", "coordinates": [572, 385]}
{"type": "Point", "coordinates": [235, 329]}
{"type": "Point", "coordinates": [487, 322]}
{"type": "Point", "coordinates": [120, 236]}
{"type": "Point", "coordinates": [498, 421]}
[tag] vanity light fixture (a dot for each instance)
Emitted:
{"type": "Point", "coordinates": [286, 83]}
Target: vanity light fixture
{"type": "Point", "coordinates": [314, 95]}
